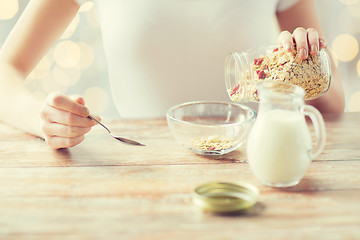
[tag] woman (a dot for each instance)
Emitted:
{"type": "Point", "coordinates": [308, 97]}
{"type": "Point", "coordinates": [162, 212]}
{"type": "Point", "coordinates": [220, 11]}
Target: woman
{"type": "Point", "coordinates": [159, 53]}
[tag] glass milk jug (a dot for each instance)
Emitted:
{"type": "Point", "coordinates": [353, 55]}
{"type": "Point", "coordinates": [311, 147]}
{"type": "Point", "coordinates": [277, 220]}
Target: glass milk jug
{"type": "Point", "coordinates": [280, 147]}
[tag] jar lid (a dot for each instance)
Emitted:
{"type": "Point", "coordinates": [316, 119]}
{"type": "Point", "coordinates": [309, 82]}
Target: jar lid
{"type": "Point", "coordinates": [225, 197]}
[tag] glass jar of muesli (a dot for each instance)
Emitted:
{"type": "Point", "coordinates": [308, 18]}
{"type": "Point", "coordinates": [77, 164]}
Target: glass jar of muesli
{"type": "Point", "coordinates": [243, 70]}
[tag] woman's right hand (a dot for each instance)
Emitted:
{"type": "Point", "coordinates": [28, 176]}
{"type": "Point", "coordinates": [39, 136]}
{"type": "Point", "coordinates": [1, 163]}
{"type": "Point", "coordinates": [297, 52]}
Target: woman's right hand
{"type": "Point", "coordinates": [65, 120]}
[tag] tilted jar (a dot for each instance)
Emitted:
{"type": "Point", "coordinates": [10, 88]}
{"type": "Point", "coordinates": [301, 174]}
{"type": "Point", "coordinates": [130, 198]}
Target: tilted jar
{"type": "Point", "coordinates": [244, 69]}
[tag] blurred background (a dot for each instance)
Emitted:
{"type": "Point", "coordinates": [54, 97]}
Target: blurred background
{"type": "Point", "coordinates": [76, 64]}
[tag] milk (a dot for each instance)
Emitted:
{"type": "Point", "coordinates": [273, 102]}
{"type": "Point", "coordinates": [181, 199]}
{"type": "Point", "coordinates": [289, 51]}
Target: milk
{"type": "Point", "coordinates": [279, 147]}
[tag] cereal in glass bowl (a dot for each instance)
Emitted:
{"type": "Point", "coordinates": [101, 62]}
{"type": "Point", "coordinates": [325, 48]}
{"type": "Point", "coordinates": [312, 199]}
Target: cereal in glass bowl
{"type": "Point", "coordinates": [210, 128]}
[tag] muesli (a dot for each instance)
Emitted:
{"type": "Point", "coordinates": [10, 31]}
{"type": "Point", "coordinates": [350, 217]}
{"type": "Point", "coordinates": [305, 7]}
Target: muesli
{"type": "Point", "coordinates": [283, 66]}
{"type": "Point", "coordinates": [213, 143]}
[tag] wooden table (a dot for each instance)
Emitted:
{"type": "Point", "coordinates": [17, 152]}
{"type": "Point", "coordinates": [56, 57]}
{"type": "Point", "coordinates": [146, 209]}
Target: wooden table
{"type": "Point", "coordinates": [103, 189]}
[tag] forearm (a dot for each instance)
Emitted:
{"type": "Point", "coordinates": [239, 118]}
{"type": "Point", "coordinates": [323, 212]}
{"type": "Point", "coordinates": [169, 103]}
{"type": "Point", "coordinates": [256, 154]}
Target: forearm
{"type": "Point", "coordinates": [19, 107]}
{"type": "Point", "coordinates": [39, 26]}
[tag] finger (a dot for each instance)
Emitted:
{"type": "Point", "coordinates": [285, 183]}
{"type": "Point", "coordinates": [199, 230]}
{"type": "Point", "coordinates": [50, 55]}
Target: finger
{"type": "Point", "coordinates": [77, 99]}
{"type": "Point", "coordinates": [96, 117]}
{"type": "Point", "coordinates": [286, 41]}
{"type": "Point", "coordinates": [323, 43]}
{"type": "Point", "coordinates": [81, 100]}
{"type": "Point", "coordinates": [66, 103]}
{"type": "Point", "coordinates": [300, 37]}
{"type": "Point", "coordinates": [313, 40]}
{"type": "Point", "coordinates": [52, 114]}
{"type": "Point", "coordinates": [60, 130]}
{"type": "Point", "coordinates": [60, 142]}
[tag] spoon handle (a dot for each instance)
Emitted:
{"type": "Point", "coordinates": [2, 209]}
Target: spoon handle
{"type": "Point", "coordinates": [121, 139]}
{"type": "Point", "coordinates": [99, 123]}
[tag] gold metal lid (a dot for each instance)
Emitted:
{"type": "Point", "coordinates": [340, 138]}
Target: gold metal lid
{"type": "Point", "coordinates": [225, 197]}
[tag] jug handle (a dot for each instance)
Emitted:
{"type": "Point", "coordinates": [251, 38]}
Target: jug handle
{"type": "Point", "coordinates": [319, 128]}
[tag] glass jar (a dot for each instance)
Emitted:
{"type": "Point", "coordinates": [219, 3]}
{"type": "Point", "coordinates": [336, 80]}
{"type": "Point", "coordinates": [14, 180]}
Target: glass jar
{"type": "Point", "coordinates": [280, 146]}
{"type": "Point", "coordinates": [243, 70]}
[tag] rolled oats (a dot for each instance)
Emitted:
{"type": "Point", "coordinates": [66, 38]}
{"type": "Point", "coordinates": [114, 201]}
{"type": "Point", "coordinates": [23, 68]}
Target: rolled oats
{"type": "Point", "coordinates": [283, 66]}
{"type": "Point", "coordinates": [213, 143]}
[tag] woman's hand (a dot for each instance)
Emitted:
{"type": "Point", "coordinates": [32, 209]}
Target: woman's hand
{"type": "Point", "coordinates": [65, 120]}
{"type": "Point", "coordinates": [305, 41]}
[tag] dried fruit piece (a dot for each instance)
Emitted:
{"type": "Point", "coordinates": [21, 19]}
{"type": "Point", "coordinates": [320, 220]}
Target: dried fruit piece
{"type": "Point", "coordinates": [258, 61]}
{"type": "Point", "coordinates": [262, 74]}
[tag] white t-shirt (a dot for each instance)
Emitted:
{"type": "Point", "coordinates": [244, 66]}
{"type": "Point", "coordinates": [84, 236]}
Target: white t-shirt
{"type": "Point", "coordinates": [165, 52]}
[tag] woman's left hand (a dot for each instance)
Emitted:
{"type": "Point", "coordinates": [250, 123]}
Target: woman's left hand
{"type": "Point", "coordinates": [305, 41]}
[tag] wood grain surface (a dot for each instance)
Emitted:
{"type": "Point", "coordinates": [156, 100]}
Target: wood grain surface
{"type": "Point", "coordinates": [102, 189]}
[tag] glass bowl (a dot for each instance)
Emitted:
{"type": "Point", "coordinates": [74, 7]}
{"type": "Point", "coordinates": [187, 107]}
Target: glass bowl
{"type": "Point", "coordinates": [210, 128]}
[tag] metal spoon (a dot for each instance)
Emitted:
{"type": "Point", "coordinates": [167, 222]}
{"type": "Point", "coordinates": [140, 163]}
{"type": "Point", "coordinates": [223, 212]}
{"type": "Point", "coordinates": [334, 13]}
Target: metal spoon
{"type": "Point", "coordinates": [121, 139]}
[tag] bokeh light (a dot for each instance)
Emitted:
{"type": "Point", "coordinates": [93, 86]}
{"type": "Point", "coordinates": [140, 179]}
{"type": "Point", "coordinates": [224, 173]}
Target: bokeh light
{"type": "Point", "coordinates": [8, 9]}
{"type": "Point", "coordinates": [349, 2]}
{"type": "Point", "coordinates": [354, 102]}
{"type": "Point", "coordinates": [66, 76]}
{"type": "Point", "coordinates": [87, 6]}
{"type": "Point", "coordinates": [358, 68]}
{"type": "Point", "coordinates": [67, 54]}
{"type": "Point", "coordinates": [49, 84]}
{"type": "Point", "coordinates": [346, 47]}
{"type": "Point", "coordinates": [96, 99]}
{"type": "Point", "coordinates": [87, 55]}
